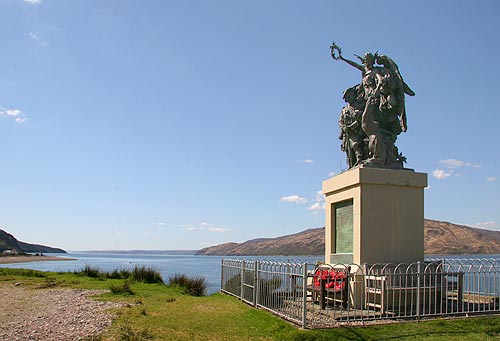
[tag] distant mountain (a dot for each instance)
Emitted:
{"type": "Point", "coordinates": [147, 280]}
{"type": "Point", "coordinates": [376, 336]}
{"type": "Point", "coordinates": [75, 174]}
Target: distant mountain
{"type": "Point", "coordinates": [9, 242]}
{"type": "Point", "coordinates": [440, 238]}
{"type": "Point", "coordinates": [451, 239]}
{"type": "Point", "coordinates": [308, 242]}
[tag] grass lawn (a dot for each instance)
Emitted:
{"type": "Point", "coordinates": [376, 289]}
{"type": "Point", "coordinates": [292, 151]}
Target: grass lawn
{"type": "Point", "coordinates": [159, 312]}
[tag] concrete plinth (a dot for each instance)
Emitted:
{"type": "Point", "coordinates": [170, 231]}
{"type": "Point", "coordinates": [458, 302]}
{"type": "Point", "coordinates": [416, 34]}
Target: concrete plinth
{"type": "Point", "coordinates": [375, 216]}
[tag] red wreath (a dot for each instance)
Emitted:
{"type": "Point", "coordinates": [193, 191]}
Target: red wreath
{"type": "Point", "coordinates": [332, 278]}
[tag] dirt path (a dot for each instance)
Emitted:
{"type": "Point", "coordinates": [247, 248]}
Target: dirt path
{"type": "Point", "coordinates": [51, 314]}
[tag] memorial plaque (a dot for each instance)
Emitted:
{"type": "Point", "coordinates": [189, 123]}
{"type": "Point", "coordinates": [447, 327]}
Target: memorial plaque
{"type": "Point", "coordinates": [344, 223]}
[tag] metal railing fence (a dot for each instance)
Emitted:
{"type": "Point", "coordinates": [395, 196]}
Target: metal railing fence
{"type": "Point", "coordinates": [323, 295]}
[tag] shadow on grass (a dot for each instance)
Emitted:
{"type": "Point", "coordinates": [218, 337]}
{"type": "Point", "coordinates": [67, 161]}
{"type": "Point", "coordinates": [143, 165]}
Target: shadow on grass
{"type": "Point", "coordinates": [460, 329]}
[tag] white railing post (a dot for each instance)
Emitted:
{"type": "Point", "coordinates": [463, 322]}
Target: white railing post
{"type": "Point", "coordinates": [222, 274]}
{"type": "Point", "coordinates": [255, 282]}
{"type": "Point", "coordinates": [242, 289]}
{"type": "Point", "coordinates": [418, 288]}
{"type": "Point", "coordinates": [304, 295]}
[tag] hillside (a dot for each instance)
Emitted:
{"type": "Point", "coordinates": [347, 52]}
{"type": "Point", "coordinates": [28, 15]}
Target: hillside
{"type": "Point", "coordinates": [440, 238]}
{"type": "Point", "coordinates": [9, 242]}
{"type": "Point", "coordinates": [308, 242]}
{"type": "Point", "coordinates": [446, 238]}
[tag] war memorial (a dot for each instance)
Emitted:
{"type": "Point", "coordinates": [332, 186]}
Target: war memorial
{"type": "Point", "coordinates": [374, 210]}
{"type": "Point", "coordinates": [374, 268]}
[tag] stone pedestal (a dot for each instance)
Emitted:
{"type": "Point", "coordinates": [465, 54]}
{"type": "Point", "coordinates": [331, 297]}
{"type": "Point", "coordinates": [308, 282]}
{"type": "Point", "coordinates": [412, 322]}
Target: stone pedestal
{"type": "Point", "coordinates": [374, 216]}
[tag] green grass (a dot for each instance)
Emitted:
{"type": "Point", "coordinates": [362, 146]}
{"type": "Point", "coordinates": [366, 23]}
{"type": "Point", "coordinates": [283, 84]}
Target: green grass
{"type": "Point", "coordinates": [160, 312]}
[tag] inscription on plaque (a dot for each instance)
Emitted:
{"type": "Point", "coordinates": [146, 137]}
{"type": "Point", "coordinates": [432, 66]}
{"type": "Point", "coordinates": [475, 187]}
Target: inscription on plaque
{"type": "Point", "coordinates": [344, 223]}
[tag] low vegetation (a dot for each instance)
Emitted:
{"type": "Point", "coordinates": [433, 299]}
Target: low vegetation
{"type": "Point", "coordinates": [138, 274]}
{"type": "Point", "coordinates": [122, 289]}
{"type": "Point", "coordinates": [22, 273]}
{"type": "Point", "coordinates": [128, 333]}
{"type": "Point", "coordinates": [195, 286]}
{"type": "Point", "coordinates": [164, 312]}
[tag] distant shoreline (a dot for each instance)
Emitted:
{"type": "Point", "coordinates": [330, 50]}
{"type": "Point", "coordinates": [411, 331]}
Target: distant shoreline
{"type": "Point", "coordinates": [27, 259]}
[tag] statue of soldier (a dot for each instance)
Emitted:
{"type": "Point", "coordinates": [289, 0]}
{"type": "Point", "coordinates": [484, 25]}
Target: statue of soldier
{"type": "Point", "coordinates": [354, 139]}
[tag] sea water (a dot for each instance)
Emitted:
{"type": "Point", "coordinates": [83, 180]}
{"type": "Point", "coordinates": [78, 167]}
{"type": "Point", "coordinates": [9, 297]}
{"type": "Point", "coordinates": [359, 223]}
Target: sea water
{"type": "Point", "coordinates": [208, 267]}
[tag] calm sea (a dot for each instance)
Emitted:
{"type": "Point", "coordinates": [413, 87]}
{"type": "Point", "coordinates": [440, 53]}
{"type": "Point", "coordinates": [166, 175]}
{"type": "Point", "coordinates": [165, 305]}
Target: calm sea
{"type": "Point", "coordinates": [168, 265]}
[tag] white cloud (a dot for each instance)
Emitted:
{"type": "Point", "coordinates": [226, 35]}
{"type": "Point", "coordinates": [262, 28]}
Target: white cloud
{"type": "Point", "coordinates": [320, 196]}
{"type": "Point", "coordinates": [440, 174]}
{"type": "Point", "coordinates": [188, 227]}
{"type": "Point", "coordinates": [15, 114]}
{"type": "Point", "coordinates": [319, 204]}
{"type": "Point", "coordinates": [316, 207]}
{"type": "Point", "coordinates": [33, 2]}
{"type": "Point", "coordinates": [205, 226]}
{"type": "Point", "coordinates": [160, 224]}
{"type": "Point", "coordinates": [294, 198]}
{"type": "Point", "coordinates": [487, 225]}
{"type": "Point", "coordinates": [452, 164]}
{"type": "Point", "coordinates": [36, 38]}
{"type": "Point", "coordinates": [218, 229]}
{"type": "Point", "coordinates": [305, 161]}
{"type": "Point", "coordinates": [450, 168]}
{"type": "Point", "coordinates": [491, 178]}
{"type": "Point", "coordinates": [331, 174]}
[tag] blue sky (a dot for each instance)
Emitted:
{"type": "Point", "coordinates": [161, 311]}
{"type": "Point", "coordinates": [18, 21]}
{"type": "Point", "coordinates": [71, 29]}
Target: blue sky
{"type": "Point", "coordinates": [182, 124]}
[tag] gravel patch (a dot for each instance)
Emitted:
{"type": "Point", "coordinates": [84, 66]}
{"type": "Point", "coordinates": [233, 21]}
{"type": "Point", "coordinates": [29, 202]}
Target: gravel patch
{"type": "Point", "coordinates": [52, 314]}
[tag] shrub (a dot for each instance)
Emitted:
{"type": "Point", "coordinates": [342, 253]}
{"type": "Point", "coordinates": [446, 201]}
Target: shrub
{"type": "Point", "coordinates": [194, 286]}
{"type": "Point", "coordinates": [178, 280]}
{"type": "Point", "coordinates": [89, 271]}
{"type": "Point", "coordinates": [122, 289]}
{"type": "Point", "coordinates": [117, 274]}
{"type": "Point", "coordinates": [146, 275]}
{"type": "Point", "coordinates": [139, 274]}
{"type": "Point", "coordinates": [197, 286]}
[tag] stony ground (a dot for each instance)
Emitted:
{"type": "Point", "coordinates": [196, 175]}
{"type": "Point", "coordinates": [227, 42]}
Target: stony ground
{"type": "Point", "coordinates": [31, 258]}
{"type": "Point", "coordinates": [52, 314]}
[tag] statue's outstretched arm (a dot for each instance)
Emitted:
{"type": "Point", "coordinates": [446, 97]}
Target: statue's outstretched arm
{"type": "Point", "coordinates": [350, 62]}
{"type": "Point", "coordinates": [336, 53]}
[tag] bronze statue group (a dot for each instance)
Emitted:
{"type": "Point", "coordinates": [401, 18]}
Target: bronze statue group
{"type": "Point", "coordinates": [375, 113]}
